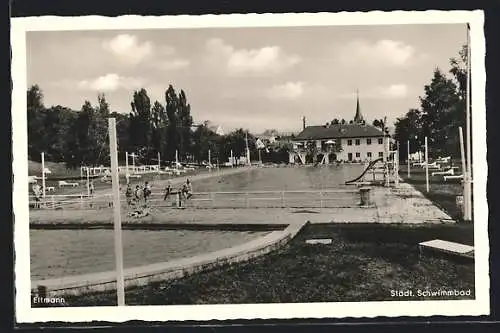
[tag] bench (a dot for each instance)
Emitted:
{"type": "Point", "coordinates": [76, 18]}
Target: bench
{"type": "Point", "coordinates": [443, 246]}
{"type": "Point", "coordinates": [63, 183]}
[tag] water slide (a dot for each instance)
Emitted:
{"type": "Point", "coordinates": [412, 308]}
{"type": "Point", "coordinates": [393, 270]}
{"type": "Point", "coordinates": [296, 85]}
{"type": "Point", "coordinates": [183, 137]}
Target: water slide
{"type": "Point", "coordinates": [372, 163]}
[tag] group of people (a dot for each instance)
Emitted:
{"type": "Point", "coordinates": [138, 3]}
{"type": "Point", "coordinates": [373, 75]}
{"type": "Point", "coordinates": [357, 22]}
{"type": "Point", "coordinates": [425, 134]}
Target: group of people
{"type": "Point", "coordinates": [143, 193]}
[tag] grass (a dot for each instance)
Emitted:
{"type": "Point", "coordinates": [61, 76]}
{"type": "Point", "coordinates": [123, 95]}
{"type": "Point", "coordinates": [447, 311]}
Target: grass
{"type": "Point", "coordinates": [365, 262]}
{"type": "Point", "coordinates": [442, 194]}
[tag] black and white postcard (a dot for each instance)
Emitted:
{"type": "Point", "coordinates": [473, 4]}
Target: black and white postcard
{"type": "Point", "coordinates": [250, 166]}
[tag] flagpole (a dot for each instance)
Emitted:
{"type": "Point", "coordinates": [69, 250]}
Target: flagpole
{"type": "Point", "coordinates": [468, 174]}
{"type": "Point", "coordinates": [120, 285]}
{"type": "Point", "coordinates": [43, 174]}
{"type": "Point", "coordinates": [464, 167]}
{"type": "Point", "coordinates": [408, 162]}
{"type": "Point", "coordinates": [426, 165]}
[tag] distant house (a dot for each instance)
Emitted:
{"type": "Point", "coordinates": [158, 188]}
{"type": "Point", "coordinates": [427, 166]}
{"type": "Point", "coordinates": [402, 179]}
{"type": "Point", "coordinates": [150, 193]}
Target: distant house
{"type": "Point", "coordinates": [355, 142]}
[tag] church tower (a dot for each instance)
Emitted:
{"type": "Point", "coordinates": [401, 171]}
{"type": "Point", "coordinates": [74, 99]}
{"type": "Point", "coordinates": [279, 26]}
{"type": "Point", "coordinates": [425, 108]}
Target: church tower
{"type": "Point", "coordinates": [358, 118]}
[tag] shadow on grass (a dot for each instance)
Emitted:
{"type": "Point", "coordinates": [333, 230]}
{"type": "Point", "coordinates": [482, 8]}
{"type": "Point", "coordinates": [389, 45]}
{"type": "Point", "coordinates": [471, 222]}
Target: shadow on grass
{"type": "Point", "coordinates": [365, 262]}
{"type": "Point", "coordinates": [442, 194]}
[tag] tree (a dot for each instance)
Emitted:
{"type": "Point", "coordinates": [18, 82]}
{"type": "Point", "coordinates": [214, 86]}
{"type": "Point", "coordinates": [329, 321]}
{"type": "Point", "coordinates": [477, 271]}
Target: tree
{"type": "Point", "coordinates": [35, 115]}
{"type": "Point", "coordinates": [379, 123]}
{"type": "Point", "coordinates": [140, 124]}
{"type": "Point", "coordinates": [440, 110]}
{"type": "Point", "coordinates": [185, 122]}
{"type": "Point", "coordinates": [335, 121]}
{"type": "Point", "coordinates": [343, 122]}
{"type": "Point", "coordinates": [204, 139]}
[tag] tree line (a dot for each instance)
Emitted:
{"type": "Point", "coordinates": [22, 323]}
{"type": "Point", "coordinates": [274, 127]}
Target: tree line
{"type": "Point", "coordinates": [441, 112]}
{"type": "Point", "coordinates": [81, 137]}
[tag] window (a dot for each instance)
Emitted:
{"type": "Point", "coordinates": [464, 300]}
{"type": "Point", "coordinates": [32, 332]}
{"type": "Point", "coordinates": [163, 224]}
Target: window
{"type": "Point", "coordinates": [381, 154]}
{"type": "Point", "coordinates": [368, 141]}
{"type": "Point", "coordinates": [358, 155]}
{"type": "Point", "coordinates": [358, 141]}
{"type": "Point", "coordinates": [349, 156]}
{"type": "Point", "coordinates": [380, 141]}
{"type": "Point", "coordinates": [349, 142]}
{"type": "Point", "coordinates": [369, 154]}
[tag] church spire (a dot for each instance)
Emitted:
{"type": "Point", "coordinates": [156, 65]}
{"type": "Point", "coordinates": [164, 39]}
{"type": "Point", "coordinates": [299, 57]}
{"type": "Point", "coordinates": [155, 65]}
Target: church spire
{"type": "Point", "coordinates": [358, 118]}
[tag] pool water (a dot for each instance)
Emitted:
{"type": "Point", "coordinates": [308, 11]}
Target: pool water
{"type": "Point", "coordinates": [282, 179]}
{"type": "Point", "coordinates": [58, 253]}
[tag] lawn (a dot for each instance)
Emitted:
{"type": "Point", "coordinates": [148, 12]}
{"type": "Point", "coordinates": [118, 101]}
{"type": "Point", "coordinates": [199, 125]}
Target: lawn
{"type": "Point", "coordinates": [365, 262]}
{"type": "Point", "coordinates": [442, 194]}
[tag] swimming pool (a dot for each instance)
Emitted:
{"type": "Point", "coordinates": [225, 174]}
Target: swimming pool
{"type": "Point", "coordinates": [58, 253]}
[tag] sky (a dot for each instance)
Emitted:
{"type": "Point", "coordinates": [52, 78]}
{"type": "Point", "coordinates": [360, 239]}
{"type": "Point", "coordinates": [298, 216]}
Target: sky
{"type": "Point", "coordinates": [251, 78]}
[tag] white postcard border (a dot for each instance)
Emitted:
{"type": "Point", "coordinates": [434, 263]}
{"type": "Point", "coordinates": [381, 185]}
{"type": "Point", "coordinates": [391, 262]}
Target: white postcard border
{"type": "Point", "coordinates": [26, 314]}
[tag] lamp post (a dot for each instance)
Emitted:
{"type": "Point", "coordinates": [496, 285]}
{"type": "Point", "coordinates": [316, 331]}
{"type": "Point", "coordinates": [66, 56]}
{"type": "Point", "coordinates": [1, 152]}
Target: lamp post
{"type": "Point", "coordinates": [113, 150]}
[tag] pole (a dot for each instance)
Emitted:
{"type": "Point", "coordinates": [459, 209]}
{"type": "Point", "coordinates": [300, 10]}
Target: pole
{"type": "Point", "coordinates": [159, 168]}
{"type": "Point", "coordinates": [43, 175]}
{"type": "Point", "coordinates": [209, 161]}
{"type": "Point", "coordinates": [260, 157]}
{"type": "Point", "coordinates": [386, 161]}
{"type": "Point", "coordinates": [426, 165]}
{"type": "Point", "coordinates": [126, 167]}
{"type": "Point", "coordinates": [396, 166]}
{"type": "Point", "coordinates": [176, 158]}
{"type": "Point", "coordinates": [232, 163]}
{"type": "Point", "coordinates": [133, 162]}
{"type": "Point", "coordinates": [120, 287]}
{"type": "Point", "coordinates": [468, 174]}
{"type": "Point", "coordinates": [88, 183]}
{"type": "Point", "coordinates": [465, 208]}
{"type": "Point", "coordinates": [408, 161]}
{"type": "Point", "coordinates": [248, 150]}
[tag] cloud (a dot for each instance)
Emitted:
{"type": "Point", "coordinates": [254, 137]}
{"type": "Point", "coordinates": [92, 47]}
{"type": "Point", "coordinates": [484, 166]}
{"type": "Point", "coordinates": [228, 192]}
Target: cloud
{"type": "Point", "coordinates": [393, 91]}
{"type": "Point", "coordinates": [289, 90]}
{"type": "Point", "coordinates": [128, 48]}
{"type": "Point", "coordinates": [173, 64]}
{"type": "Point", "coordinates": [110, 82]}
{"type": "Point", "coordinates": [268, 59]}
{"type": "Point", "coordinates": [298, 90]}
{"type": "Point", "coordinates": [381, 53]}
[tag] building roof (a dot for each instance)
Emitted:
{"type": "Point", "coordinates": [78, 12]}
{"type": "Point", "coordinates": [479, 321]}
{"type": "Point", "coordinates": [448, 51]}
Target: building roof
{"type": "Point", "coordinates": [338, 131]}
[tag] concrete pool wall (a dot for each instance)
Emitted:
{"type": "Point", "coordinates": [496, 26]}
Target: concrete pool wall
{"type": "Point", "coordinates": [142, 275]}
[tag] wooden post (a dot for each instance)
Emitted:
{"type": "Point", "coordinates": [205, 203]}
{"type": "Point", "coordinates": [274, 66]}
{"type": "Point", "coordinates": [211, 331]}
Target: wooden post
{"type": "Point", "coordinates": [426, 165]}
{"type": "Point", "coordinates": [126, 167]}
{"type": "Point", "coordinates": [232, 162]}
{"type": "Point", "coordinates": [465, 207]}
{"type": "Point", "coordinates": [396, 166]}
{"type": "Point", "coordinates": [113, 150]}
{"type": "Point", "coordinates": [159, 167]}
{"type": "Point", "coordinates": [468, 174]}
{"type": "Point", "coordinates": [408, 161]}
{"type": "Point", "coordinates": [43, 175]}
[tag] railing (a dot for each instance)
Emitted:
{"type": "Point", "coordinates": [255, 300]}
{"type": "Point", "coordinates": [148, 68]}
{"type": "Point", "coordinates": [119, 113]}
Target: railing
{"type": "Point", "coordinates": [236, 199]}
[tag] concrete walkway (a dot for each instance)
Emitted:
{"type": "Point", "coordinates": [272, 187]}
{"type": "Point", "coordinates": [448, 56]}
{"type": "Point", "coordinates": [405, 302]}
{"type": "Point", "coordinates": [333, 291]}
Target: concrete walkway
{"type": "Point", "coordinates": [402, 205]}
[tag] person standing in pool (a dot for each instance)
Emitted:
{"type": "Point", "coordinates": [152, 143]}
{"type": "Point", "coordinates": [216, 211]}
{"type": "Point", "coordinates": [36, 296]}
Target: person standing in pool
{"type": "Point", "coordinates": [168, 191]}
{"type": "Point", "coordinates": [128, 195]}
{"type": "Point", "coordinates": [147, 192]}
{"type": "Point", "coordinates": [187, 189]}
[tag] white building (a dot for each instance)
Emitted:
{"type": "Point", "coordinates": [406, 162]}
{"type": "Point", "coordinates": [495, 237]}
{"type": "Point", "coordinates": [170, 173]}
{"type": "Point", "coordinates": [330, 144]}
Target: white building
{"type": "Point", "coordinates": [355, 142]}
